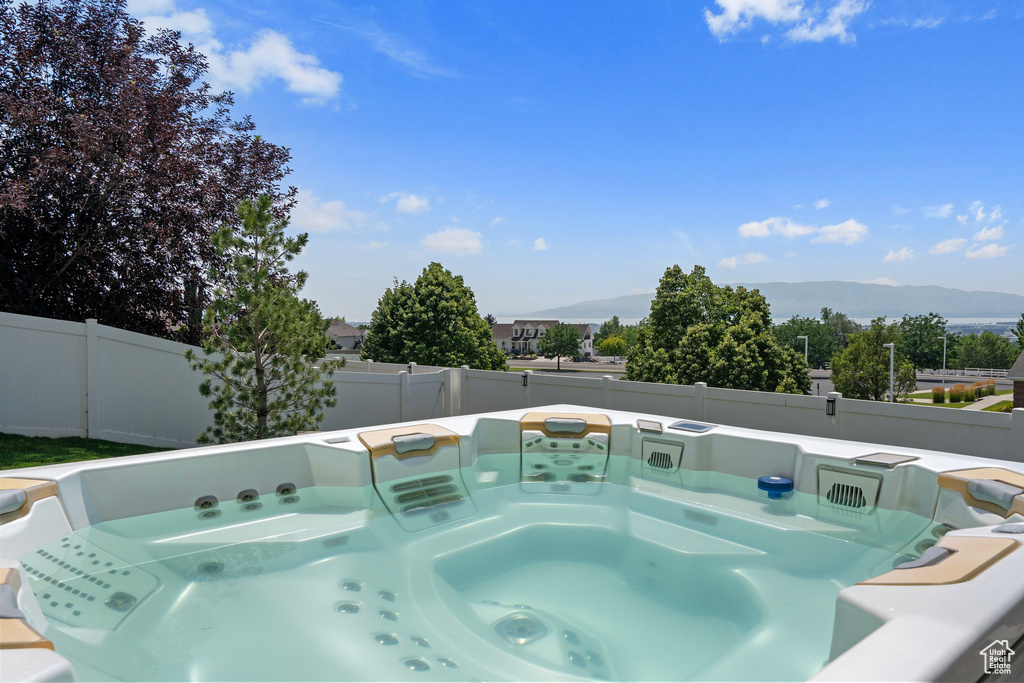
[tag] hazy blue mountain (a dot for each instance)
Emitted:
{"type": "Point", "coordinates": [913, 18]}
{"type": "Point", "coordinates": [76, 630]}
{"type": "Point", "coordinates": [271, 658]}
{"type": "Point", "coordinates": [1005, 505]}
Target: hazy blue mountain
{"type": "Point", "coordinates": [855, 299]}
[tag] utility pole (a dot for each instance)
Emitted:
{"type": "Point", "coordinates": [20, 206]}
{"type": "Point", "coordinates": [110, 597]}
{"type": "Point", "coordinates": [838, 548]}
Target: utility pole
{"type": "Point", "coordinates": [804, 337]}
{"type": "Point", "coordinates": [943, 338]}
{"type": "Point", "coordinates": [892, 353]}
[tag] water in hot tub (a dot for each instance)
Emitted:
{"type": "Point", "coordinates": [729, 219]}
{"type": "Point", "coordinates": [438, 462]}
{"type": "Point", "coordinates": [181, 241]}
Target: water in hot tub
{"type": "Point", "coordinates": [623, 584]}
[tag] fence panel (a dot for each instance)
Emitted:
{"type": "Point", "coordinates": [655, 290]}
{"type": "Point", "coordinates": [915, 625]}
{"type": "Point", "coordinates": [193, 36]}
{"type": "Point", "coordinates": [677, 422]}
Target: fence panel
{"type": "Point", "coordinates": [484, 391]}
{"type": "Point", "coordinates": [364, 400]}
{"type": "Point", "coordinates": [547, 389]}
{"type": "Point", "coordinates": [674, 400]}
{"type": "Point", "coordinates": [42, 376]}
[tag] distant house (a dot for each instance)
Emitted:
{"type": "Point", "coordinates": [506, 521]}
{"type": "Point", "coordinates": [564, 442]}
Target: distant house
{"type": "Point", "coordinates": [345, 336]}
{"type": "Point", "coordinates": [1016, 374]}
{"type": "Point", "coordinates": [522, 336]}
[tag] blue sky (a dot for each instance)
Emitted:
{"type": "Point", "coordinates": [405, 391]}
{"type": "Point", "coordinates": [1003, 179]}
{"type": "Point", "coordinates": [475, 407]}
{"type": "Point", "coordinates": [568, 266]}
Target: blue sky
{"type": "Point", "coordinates": [557, 152]}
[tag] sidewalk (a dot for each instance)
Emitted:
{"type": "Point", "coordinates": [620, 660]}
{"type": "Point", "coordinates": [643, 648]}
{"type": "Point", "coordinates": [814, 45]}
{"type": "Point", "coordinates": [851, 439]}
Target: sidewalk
{"type": "Point", "coordinates": [988, 401]}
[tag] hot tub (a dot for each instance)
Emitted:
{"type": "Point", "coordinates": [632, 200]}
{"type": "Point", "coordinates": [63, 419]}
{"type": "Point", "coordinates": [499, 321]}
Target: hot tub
{"type": "Point", "coordinates": [556, 543]}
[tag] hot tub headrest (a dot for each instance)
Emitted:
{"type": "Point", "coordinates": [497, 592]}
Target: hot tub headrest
{"type": "Point", "coordinates": [412, 441]}
{"type": "Point", "coordinates": [12, 500]}
{"type": "Point", "coordinates": [993, 489]}
{"type": "Point", "coordinates": [555, 424]}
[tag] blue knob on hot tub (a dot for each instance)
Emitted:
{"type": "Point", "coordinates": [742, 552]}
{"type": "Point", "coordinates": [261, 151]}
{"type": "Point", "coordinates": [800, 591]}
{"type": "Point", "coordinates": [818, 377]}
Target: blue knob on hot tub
{"type": "Point", "coordinates": [775, 486]}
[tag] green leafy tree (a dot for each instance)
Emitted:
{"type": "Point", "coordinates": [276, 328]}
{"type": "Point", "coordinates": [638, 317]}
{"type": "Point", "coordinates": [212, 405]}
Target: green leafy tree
{"type": "Point", "coordinates": [608, 328]}
{"type": "Point", "coordinates": [840, 324]}
{"type": "Point", "coordinates": [613, 345]}
{"type": "Point", "coordinates": [1018, 332]}
{"type": "Point", "coordinates": [921, 339]}
{"type": "Point", "coordinates": [861, 370]}
{"type": "Point", "coordinates": [822, 342]}
{"type": "Point", "coordinates": [985, 350]}
{"type": "Point", "coordinates": [490, 320]}
{"type": "Point", "coordinates": [261, 341]}
{"type": "Point", "coordinates": [433, 321]}
{"type": "Point", "coordinates": [561, 340]}
{"type": "Point", "coordinates": [699, 332]}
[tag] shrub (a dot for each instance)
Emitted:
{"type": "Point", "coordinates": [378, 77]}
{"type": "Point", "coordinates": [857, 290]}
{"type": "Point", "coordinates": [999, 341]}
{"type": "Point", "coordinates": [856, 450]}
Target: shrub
{"type": "Point", "coordinates": [969, 394]}
{"type": "Point", "coordinates": [938, 395]}
{"type": "Point", "coordinates": [956, 394]}
{"type": "Point", "coordinates": [990, 385]}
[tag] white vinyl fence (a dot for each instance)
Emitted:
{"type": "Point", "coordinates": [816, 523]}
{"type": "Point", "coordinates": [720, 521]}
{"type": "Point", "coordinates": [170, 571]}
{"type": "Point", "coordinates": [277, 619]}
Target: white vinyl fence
{"type": "Point", "coordinates": [84, 379]}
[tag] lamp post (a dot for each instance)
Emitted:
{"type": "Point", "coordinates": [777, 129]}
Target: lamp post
{"type": "Point", "coordinates": [804, 337]}
{"type": "Point", "coordinates": [892, 353]}
{"type": "Point", "coordinates": [943, 338]}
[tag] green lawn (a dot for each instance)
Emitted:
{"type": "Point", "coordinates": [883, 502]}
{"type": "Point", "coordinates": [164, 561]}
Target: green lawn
{"type": "Point", "coordinates": [1001, 407]}
{"type": "Point", "coordinates": [928, 394]}
{"type": "Point", "coordinates": [946, 405]}
{"type": "Point", "coordinates": [29, 451]}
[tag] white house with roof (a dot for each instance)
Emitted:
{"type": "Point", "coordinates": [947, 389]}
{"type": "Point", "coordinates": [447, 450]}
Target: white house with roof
{"type": "Point", "coordinates": [345, 336]}
{"type": "Point", "coordinates": [521, 336]}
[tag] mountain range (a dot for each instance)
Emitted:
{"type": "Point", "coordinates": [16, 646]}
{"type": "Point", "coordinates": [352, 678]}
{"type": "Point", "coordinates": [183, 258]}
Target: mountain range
{"type": "Point", "coordinates": [855, 299]}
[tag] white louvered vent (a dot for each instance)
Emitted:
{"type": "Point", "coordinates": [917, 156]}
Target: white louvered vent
{"type": "Point", "coordinates": [847, 490]}
{"type": "Point", "coordinates": [661, 456]}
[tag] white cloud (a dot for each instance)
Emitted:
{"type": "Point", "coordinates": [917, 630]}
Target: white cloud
{"type": "Point", "coordinates": [313, 215]}
{"type": "Point", "coordinates": [194, 25]}
{"type": "Point", "coordinates": [539, 244]}
{"type": "Point", "coordinates": [734, 261]}
{"type": "Point", "coordinates": [457, 241]}
{"type": "Point", "coordinates": [989, 234]}
{"type": "Point", "coordinates": [833, 26]}
{"type": "Point", "coordinates": [375, 245]}
{"type": "Point", "coordinates": [806, 23]}
{"type": "Point", "coordinates": [497, 221]}
{"type": "Point", "coordinates": [847, 232]}
{"type": "Point", "coordinates": [930, 22]}
{"type": "Point", "coordinates": [775, 226]}
{"type": "Point", "coordinates": [949, 246]}
{"type": "Point", "coordinates": [991, 250]}
{"type": "Point", "coordinates": [978, 209]}
{"type": "Point", "coordinates": [271, 56]}
{"type": "Point", "coordinates": [882, 281]}
{"type": "Point", "coordinates": [821, 203]}
{"type": "Point", "coordinates": [409, 58]}
{"type": "Point", "coordinates": [513, 243]}
{"type": "Point", "coordinates": [961, 218]}
{"type": "Point", "coordinates": [939, 211]}
{"type": "Point", "coordinates": [798, 206]}
{"type": "Point", "coordinates": [138, 8]}
{"type": "Point", "coordinates": [901, 255]}
{"type": "Point", "coordinates": [898, 210]}
{"type": "Point", "coordinates": [996, 214]}
{"type": "Point", "coordinates": [790, 254]}
{"type": "Point", "coordinates": [407, 203]}
{"type": "Point", "coordinates": [737, 15]}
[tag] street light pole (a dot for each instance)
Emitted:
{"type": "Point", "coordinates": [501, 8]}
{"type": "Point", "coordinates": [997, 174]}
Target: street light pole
{"type": "Point", "coordinates": [804, 337]}
{"type": "Point", "coordinates": [892, 353]}
{"type": "Point", "coordinates": [943, 338]}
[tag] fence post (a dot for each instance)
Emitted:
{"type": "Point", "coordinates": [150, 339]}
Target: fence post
{"type": "Point", "coordinates": [1016, 435]}
{"type": "Point", "coordinates": [606, 392]}
{"type": "Point", "coordinates": [403, 406]}
{"type": "Point", "coordinates": [528, 379]}
{"type": "Point", "coordinates": [698, 400]}
{"type": "Point", "coordinates": [463, 389]}
{"type": "Point", "coordinates": [369, 366]}
{"type": "Point", "coordinates": [833, 420]}
{"type": "Point", "coordinates": [449, 394]}
{"type": "Point", "coordinates": [92, 378]}
{"type": "Point", "coordinates": [412, 368]}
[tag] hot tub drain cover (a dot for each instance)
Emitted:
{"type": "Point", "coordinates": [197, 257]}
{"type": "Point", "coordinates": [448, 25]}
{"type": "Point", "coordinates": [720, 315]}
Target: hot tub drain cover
{"type": "Point", "coordinates": [520, 628]}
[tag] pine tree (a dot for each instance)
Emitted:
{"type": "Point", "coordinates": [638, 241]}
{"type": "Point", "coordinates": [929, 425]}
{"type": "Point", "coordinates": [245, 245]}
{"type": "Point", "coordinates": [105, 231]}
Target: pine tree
{"type": "Point", "coordinates": [260, 339]}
